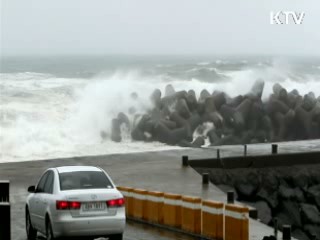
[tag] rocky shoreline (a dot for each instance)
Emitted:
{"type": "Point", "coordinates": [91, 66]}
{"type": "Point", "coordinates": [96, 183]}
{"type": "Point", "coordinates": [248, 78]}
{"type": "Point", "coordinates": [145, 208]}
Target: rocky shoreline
{"type": "Point", "coordinates": [289, 194]}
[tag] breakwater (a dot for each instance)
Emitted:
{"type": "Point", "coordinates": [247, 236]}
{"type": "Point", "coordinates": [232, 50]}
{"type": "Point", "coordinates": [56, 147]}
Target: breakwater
{"type": "Point", "coordinates": [284, 188]}
{"type": "Point", "coordinates": [184, 119]}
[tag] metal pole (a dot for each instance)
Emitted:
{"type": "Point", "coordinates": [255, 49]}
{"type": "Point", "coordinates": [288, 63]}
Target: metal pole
{"type": "Point", "coordinates": [185, 160]}
{"type": "Point", "coordinates": [205, 178]}
{"type": "Point", "coordinates": [245, 150]}
{"type": "Point", "coordinates": [286, 232]}
{"type": "Point", "coordinates": [274, 148]}
{"type": "Point", "coordinates": [5, 221]}
{"type": "Point", "coordinates": [4, 191]}
{"type": "Point", "coordinates": [230, 197]}
{"type": "Point", "coordinates": [275, 222]}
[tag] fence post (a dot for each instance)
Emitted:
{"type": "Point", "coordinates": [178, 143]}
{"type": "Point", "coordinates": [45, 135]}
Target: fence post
{"type": "Point", "coordinates": [5, 217]}
{"type": "Point", "coordinates": [4, 191]}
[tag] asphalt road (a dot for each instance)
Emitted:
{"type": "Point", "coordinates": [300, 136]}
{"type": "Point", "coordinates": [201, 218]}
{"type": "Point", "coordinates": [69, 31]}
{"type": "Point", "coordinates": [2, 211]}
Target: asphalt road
{"type": "Point", "coordinates": [137, 231]}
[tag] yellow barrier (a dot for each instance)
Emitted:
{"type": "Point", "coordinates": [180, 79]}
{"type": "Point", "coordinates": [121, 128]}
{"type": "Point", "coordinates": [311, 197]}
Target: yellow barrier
{"type": "Point", "coordinates": [172, 210]}
{"type": "Point", "coordinates": [236, 222]}
{"type": "Point", "coordinates": [212, 219]}
{"type": "Point", "coordinates": [191, 214]}
{"type": "Point", "coordinates": [127, 193]}
{"type": "Point", "coordinates": [155, 207]}
{"type": "Point", "coordinates": [209, 218]}
{"type": "Point", "coordinates": [139, 202]}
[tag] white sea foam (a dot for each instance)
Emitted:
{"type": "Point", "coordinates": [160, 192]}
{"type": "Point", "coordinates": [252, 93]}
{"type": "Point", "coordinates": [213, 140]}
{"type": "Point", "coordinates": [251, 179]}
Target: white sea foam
{"type": "Point", "coordinates": [42, 116]}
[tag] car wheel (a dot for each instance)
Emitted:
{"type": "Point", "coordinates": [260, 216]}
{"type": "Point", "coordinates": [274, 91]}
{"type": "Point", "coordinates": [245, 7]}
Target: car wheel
{"type": "Point", "coordinates": [31, 232]}
{"type": "Point", "coordinates": [116, 237]}
{"type": "Point", "coordinates": [49, 232]}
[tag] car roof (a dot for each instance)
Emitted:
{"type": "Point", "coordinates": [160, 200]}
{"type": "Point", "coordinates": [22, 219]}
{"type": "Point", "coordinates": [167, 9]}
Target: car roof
{"type": "Point", "coordinates": [64, 169]}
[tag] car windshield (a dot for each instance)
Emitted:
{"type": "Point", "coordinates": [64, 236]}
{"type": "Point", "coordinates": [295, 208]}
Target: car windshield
{"type": "Point", "coordinates": [84, 180]}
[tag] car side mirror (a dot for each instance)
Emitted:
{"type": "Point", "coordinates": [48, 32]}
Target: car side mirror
{"type": "Point", "coordinates": [31, 189]}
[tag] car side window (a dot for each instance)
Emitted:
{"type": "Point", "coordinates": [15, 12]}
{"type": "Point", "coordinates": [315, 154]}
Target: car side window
{"type": "Point", "coordinates": [48, 187]}
{"type": "Point", "coordinates": [40, 186]}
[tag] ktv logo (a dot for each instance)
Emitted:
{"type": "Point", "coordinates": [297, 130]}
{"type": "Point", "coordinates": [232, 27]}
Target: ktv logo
{"type": "Point", "coordinates": [286, 17]}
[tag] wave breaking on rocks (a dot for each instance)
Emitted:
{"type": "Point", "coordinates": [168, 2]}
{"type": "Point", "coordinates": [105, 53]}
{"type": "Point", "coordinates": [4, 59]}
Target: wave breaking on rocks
{"type": "Point", "coordinates": [181, 118]}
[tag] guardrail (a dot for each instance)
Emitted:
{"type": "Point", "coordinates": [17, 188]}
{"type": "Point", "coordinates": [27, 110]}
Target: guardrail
{"type": "Point", "coordinates": [191, 215]}
{"type": "Point", "coordinates": [274, 159]}
{"type": "Point", "coordinates": [5, 217]}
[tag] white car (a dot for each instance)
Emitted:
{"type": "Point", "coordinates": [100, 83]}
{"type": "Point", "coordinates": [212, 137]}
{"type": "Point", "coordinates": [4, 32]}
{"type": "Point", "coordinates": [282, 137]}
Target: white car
{"type": "Point", "coordinates": [75, 201]}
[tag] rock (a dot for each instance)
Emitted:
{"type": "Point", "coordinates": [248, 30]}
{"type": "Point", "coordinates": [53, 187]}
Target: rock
{"type": "Point", "coordinates": [291, 210]}
{"type": "Point", "coordinates": [269, 188]}
{"type": "Point", "coordinates": [234, 102]}
{"type": "Point", "coordinates": [219, 99]}
{"type": "Point", "coordinates": [291, 193]}
{"type": "Point", "coordinates": [264, 211]}
{"type": "Point", "coordinates": [301, 179]}
{"type": "Point", "coordinates": [309, 101]}
{"type": "Point", "coordinates": [169, 124]}
{"type": "Point", "coordinates": [171, 137]}
{"type": "Point", "coordinates": [194, 121]}
{"type": "Point", "coordinates": [257, 88]}
{"type": "Point", "coordinates": [286, 192]}
{"type": "Point", "coordinates": [198, 142]}
{"type": "Point", "coordinates": [213, 136]}
{"type": "Point", "coordinates": [169, 90]}
{"type": "Point", "coordinates": [115, 130]}
{"type": "Point", "coordinates": [204, 94]}
{"type": "Point", "coordinates": [298, 195]}
{"type": "Point", "coordinates": [169, 101]}
{"type": "Point", "coordinates": [247, 185]}
{"type": "Point", "coordinates": [280, 92]}
{"type": "Point", "coordinates": [123, 119]}
{"type": "Point", "coordinates": [180, 121]}
{"type": "Point", "coordinates": [275, 105]}
{"type": "Point", "coordinates": [286, 124]}
{"type": "Point", "coordinates": [215, 118]}
{"type": "Point", "coordinates": [183, 109]}
{"type": "Point", "coordinates": [300, 235]}
{"type": "Point", "coordinates": [310, 214]}
{"type": "Point", "coordinates": [209, 105]}
{"type": "Point", "coordinates": [192, 100]}
{"type": "Point", "coordinates": [312, 230]}
{"type": "Point", "coordinates": [138, 135]}
{"type": "Point", "coordinates": [304, 119]}
{"type": "Point", "coordinates": [156, 98]}
{"type": "Point", "coordinates": [313, 193]}
{"type": "Point", "coordinates": [184, 143]}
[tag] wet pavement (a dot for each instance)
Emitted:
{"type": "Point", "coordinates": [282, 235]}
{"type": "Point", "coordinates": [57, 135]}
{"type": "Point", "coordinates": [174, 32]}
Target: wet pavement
{"type": "Point", "coordinates": [158, 171]}
{"type": "Point", "coordinates": [138, 231]}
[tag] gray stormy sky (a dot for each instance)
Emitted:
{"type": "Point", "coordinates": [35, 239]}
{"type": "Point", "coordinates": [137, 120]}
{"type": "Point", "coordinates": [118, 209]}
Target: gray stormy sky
{"type": "Point", "coordinates": [156, 27]}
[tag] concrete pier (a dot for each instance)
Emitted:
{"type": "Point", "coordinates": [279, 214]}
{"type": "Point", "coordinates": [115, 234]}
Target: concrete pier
{"type": "Point", "coordinates": [156, 171]}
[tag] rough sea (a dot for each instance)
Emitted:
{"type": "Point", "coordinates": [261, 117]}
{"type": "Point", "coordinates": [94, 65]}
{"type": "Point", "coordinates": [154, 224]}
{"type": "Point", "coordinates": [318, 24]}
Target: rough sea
{"type": "Point", "coordinates": [57, 106]}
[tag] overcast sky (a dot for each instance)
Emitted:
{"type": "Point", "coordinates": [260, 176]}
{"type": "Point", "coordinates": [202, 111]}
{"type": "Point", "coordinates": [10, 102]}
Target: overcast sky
{"type": "Point", "coordinates": [156, 27]}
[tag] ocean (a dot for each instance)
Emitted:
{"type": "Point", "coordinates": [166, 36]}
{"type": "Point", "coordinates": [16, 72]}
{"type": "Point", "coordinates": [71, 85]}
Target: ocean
{"type": "Point", "coordinates": [57, 106]}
